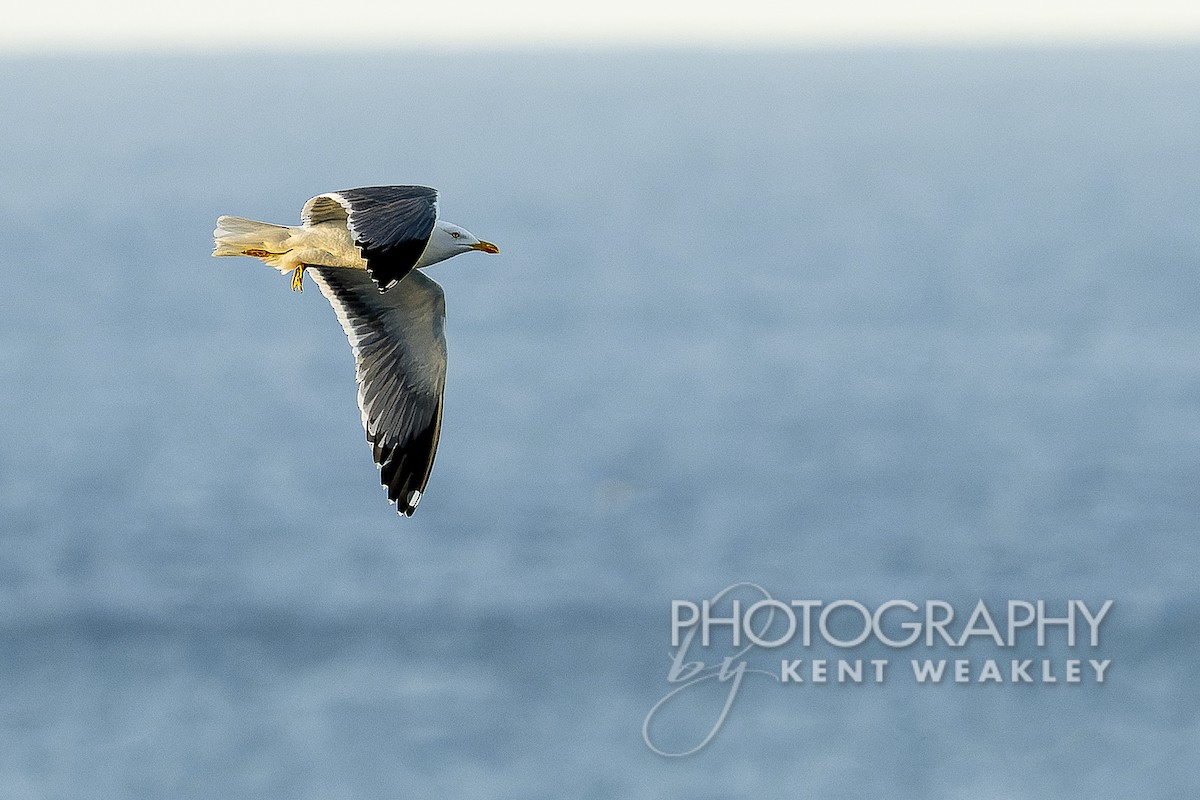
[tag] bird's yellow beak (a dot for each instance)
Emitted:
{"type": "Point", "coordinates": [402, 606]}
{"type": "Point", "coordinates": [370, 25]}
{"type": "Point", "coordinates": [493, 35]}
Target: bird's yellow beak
{"type": "Point", "coordinates": [486, 247]}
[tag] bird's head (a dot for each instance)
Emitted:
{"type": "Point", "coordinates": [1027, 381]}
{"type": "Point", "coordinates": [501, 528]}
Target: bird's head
{"type": "Point", "coordinates": [448, 240]}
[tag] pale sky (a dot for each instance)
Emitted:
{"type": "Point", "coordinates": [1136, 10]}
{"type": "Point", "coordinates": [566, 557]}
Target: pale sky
{"type": "Point", "coordinates": [286, 25]}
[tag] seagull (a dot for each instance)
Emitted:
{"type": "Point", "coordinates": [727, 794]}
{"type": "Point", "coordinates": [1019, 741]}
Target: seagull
{"type": "Point", "coordinates": [363, 248]}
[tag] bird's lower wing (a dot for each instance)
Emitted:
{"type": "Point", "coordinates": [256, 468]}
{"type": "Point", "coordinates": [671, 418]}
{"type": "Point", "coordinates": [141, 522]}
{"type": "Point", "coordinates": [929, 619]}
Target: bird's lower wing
{"type": "Point", "coordinates": [399, 343]}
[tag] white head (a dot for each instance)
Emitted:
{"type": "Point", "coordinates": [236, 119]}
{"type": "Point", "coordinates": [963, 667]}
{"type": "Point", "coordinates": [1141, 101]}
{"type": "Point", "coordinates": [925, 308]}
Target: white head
{"type": "Point", "coordinates": [448, 240]}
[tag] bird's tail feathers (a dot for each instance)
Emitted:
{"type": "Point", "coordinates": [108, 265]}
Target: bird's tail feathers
{"type": "Point", "coordinates": [236, 236]}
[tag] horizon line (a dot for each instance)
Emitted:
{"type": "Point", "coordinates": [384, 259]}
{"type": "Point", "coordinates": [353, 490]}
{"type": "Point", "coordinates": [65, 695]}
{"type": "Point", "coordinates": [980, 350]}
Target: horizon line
{"type": "Point", "coordinates": [532, 45]}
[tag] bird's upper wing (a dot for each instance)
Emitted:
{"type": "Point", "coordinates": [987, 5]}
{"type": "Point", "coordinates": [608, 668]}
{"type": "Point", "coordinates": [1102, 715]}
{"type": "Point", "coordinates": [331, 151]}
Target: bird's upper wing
{"type": "Point", "coordinates": [399, 344]}
{"type": "Point", "coordinates": [390, 224]}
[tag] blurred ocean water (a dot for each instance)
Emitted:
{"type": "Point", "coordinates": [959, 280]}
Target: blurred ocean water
{"type": "Point", "coordinates": [871, 324]}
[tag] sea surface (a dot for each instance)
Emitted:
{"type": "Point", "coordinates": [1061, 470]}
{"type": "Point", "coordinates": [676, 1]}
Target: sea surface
{"type": "Point", "coordinates": [861, 325]}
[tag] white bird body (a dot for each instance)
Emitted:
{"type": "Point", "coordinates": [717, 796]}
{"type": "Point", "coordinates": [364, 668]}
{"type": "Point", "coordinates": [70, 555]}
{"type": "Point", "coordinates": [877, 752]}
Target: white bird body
{"type": "Point", "coordinates": [324, 244]}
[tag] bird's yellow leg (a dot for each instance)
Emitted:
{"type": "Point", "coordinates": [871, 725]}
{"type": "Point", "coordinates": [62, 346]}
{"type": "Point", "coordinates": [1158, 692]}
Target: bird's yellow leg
{"type": "Point", "coordinates": [298, 279]}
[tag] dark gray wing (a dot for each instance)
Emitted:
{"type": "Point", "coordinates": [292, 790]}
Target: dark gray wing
{"type": "Point", "coordinates": [399, 343]}
{"type": "Point", "coordinates": [390, 224]}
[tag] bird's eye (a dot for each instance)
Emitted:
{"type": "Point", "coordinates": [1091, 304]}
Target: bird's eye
{"type": "Point", "coordinates": [455, 234]}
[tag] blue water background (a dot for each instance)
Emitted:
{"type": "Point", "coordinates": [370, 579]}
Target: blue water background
{"type": "Point", "coordinates": [874, 324]}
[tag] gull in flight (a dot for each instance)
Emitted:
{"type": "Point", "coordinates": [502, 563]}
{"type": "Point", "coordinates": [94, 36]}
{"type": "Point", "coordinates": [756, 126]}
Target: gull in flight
{"type": "Point", "coordinates": [363, 248]}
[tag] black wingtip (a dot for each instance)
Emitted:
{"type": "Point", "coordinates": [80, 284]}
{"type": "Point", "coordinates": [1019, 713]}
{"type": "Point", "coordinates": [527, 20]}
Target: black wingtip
{"type": "Point", "coordinates": [406, 509]}
{"type": "Point", "coordinates": [404, 470]}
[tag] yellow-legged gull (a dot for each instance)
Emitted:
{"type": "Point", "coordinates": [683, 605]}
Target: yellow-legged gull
{"type": "Point", "coordinates": [362, 247]}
